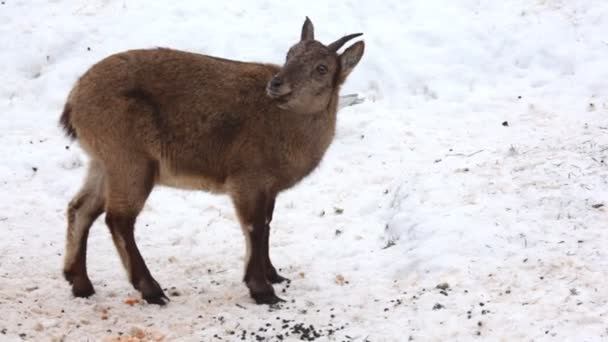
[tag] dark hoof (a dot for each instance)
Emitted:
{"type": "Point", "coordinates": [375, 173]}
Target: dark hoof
{"type": "Point", "coordinates": [83, 291]}
{"type": "Point", "coordinates": [266, 298]}
{"type": "Point", "coordinates": [151, 292]}
{"type": "Point", "coordinates": [81, 285]}
{"type": "Point", "coordinates": [158, 299]}
{"type": "Point", "coordinates": [276, 278]}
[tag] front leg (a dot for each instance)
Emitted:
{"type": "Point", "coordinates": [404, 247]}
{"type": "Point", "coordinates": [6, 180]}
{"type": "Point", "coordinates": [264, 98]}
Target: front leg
{"type": "Point", "coordinates": [252, 214]}
{"type": "Point", "coordinates": [271, 273]}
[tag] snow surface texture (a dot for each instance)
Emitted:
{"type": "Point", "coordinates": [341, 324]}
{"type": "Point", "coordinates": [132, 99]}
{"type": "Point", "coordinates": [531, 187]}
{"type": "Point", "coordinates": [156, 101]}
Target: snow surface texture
{"type": "Point", "coordinates": [476, 163]}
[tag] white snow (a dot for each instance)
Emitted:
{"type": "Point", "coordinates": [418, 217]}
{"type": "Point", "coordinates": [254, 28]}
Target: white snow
{"type": "Point", "coordinates": [433, 188]}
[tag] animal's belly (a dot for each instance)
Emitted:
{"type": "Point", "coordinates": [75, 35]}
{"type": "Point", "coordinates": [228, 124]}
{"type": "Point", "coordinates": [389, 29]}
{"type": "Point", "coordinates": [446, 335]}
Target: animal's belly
{"type": "Point", "coordinates": [189, 182]}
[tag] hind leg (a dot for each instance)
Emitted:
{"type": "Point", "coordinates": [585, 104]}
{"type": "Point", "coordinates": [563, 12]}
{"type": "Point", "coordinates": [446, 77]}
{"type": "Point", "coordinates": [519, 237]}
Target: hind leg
{"type": "Point", "coordinates": [128, 188]}
{"type": "Point", "coordinates": [83, 210]}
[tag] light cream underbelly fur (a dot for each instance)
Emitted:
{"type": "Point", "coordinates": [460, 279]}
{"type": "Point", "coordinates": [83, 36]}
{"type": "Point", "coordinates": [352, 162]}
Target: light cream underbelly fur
{"type": "Point", "coordinates": [167, 177]}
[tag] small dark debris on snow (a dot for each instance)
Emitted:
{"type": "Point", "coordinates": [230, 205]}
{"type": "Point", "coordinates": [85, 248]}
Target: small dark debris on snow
{"type": "Point", "coordinates": [338, 232]}
{"type": "Point", "coordinates": [482, 304]}
{"type": "Point", "coordinates": [3, 331]}
{"type": "Point", "coordinates": [88, 48]}
{"type": "Point", "coordinates": [505, 123]}
{"type": "Point", "coordinates": [519, 97]}
{"type": "Point", "coordinates": [437, 161]}
{"type": "Point", "coordinates": [338, 211]}
{"type": "Point", "coordinates": [306, 333]}
{"type": "Point", "coordinates": [597, 206]}
{"type": "Point", "coordinates": [574, 292]}
{"type": "Point", "coordinates": [31, 288]}
{"type": "Point", "coordinates": [389, 244]}
{"type": "Point", "coordinates": [438, 306]}
{"type": "Point", "coordinates": [35, 169]}
{"type": "Point", "coordinates": [443, 286]}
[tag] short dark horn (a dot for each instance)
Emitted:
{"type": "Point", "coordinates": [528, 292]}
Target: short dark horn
{"type": "Point", "coordinates": [338, 43]}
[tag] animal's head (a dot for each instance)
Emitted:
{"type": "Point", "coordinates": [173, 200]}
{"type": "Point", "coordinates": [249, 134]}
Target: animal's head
{"type": "Point", "coordinates": [313, 72]}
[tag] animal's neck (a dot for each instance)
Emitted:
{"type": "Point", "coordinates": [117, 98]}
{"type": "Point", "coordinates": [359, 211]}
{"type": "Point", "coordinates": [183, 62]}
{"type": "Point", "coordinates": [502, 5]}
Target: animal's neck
{"type": "Point", "coordinates": [322, 126]}
{"type": "Point", "coordinates": [329, 113]}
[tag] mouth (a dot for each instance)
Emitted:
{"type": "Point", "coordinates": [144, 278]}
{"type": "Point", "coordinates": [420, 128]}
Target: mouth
{"type": "Point", "coordinates": [277, 95]}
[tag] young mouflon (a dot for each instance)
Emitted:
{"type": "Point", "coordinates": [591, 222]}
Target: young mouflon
{"type": "Point", "coordinates": [186, 120]}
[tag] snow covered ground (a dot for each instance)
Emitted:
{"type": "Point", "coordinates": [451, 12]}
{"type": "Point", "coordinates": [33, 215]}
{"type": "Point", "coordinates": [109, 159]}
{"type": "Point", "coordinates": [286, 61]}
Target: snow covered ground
{"type": "Point", "coordinates": [462, 201]}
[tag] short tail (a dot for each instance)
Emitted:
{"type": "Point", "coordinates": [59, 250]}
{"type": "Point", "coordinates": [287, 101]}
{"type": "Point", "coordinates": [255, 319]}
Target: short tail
{"type": "Point", "coordinates": [66, 122]}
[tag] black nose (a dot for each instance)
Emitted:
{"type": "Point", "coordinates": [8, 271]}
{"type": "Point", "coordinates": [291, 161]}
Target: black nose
{"type": "Point", "coordinates": [275, 82]}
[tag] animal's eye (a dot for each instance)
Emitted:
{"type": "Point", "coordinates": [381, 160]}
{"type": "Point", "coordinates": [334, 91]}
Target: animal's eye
{"type": "Point", "coordinates": [321, 69]}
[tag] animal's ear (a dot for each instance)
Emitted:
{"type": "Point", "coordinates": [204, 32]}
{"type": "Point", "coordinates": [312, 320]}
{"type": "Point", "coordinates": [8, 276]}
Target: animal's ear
{"type": "Point", "coordinates": [308, 31]}
{"type": "Point", "coordinates": [349, 59]}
